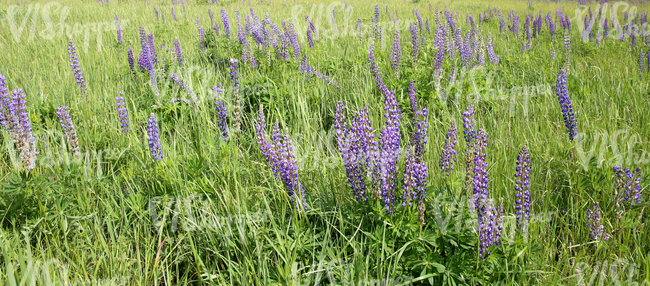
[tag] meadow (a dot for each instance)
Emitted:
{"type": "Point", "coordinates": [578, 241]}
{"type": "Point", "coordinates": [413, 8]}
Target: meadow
{"type": "Point", "coordinates": [312, 142]}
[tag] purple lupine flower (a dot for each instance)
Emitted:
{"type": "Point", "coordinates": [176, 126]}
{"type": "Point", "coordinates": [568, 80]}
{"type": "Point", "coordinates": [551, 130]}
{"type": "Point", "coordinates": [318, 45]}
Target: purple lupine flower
{"type": "Point", "coordinates": [468, 124]}
{"type": "Point", "coordinates": [131, 60]}
{"type": "Point", "coordinates": [281, 158]}
{"type": "Point", "coordinates": [514, 19]}
{"type": "Point", "coordinates": [502, 23]}
{"type": "Point", "coordinates": [396, 54]}
{"type": "Point", "coordinates": [211, 17]}
{"type": "Point", "coordinates": [528, 39]}
{"type": "Point", "coordinates": [552, 53]}
{"type": "Point", "coordinates": [605, 30]}
{"type": "Point", "coordinates": [387, 156]}
{"type": "Point", "coordinates": [324, 77]}
{"type": "Point", "coordinates": [355, 142]}
{"type": "Point", "coordinates": [551, 25]}
{"type": "Point", "coordinates": [5, 103]}
{"type": "Point", "coordinates": [376, 13]}
{"type": "Point", "coordinates": [648, 60]}
{"type": "Point", "coordinates": [15, 119]}
{"type": "Point", "coordinates": [154, 140]}
{"type": "Point", "coordinates": [241, 33]}
{"type": "Point", "coordinates": [310, 40]}
{"type": "Point", "coordinates": [294, 41]}
{"type": "Point", "coordinates": [201, 34]}
{"type": "Point", "coordinates": [469, 134]}
{"type": "Point", "coordinates": [69, 129]}
{"type": "Point", "coordinates": [119, 30]}
{"type": "Point", "coordinates": [567, 22]}
{"type": "Point", "coordinates": [628, 184]}
{"type": "Point", "coordinates": [489, 219]}
{"type": "Point", "coordinates": [452, 76]}
{"type": "Point", "coordinates": [522, 195]}
{"type": "Point", "coordinates": [178, 80]}
{"type": "Point", "coordinates": [641, 62]}
{"type": "Point", "coordinates": [448, 156]}
{"type": "Point", "coordinates": [76, 68]}
{"type": "Point", "coordinates": [416, 171]}
{"type": "Point", "coordinates": [565, 103]}
{"type": "Point", "coordinates": [221, 112]}
{"type": "Point", "coordinates": [310, 31]}
{"type": "Point", "coordinates": [179, 52]}
{"type": "Point", "coordinates": [494, 59]}
{"type": "Point", "coordinates": [597, 230]}
{"type": "Point", "coordinates": [122, 112]}
{"type": "Point", "coordinates": [153, 55]}
{"type": "Point", "coordinates": [226, 22]}
{"type": "Point", "coordinates": [415, 37]}
{"type": "Point", "coordinates": [147, 59]}
{"type": "Point", "coordinates": [174, 14]}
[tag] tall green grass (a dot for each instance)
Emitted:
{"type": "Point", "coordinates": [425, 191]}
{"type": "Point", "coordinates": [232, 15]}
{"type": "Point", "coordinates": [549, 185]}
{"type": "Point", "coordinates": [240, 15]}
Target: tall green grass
{"type": "Point", "coordinates": [115, 216]}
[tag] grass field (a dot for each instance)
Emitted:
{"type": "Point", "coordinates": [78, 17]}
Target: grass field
{"type": "Point", "coordinates": [98, 208]}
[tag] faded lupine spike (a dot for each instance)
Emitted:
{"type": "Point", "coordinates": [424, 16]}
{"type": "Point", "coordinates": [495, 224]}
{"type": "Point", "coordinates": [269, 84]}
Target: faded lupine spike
{"type": "Point", "coordinates": [69, 129]}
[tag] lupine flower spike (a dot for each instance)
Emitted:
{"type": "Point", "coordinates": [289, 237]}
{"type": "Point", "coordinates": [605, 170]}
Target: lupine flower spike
{"type": "Point", "coordinates": [221, 112]}
{"type": "Point", "coordinates": [448, 156]}
{"type": "Point", "coordinates": [597, 229]}
{"type": "Point", "coordinates": [489, 219]}
{"type": "Point", "coordinates": [69, 130]}
{"type": "Point", "coordinates": [280, 156]}
{"type": "Point", "coordinates": [566, 105]}
{"type": "Point", "coordinates": [154, 140]}
{"type": "Point", "coordinates": [122, 112]}
{"type": "Point", "coordinates": [15, 119]}
{"type": "Point", "coordinates": [522, 194]}
{"type": "Point", "coordinates": [627, 187]}
{"type": "Point", "coordinates": [76, 68]}
{"type": "Point", "coordinates": [470, 134]}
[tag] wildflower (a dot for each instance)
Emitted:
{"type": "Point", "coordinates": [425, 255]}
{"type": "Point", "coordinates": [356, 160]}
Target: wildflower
{"type": "Point", "coordinates": [68, 129]}
{"type": "Point", "coordinates": [76, 68]}
{"type": "Point", "coordinates": [15, 119]}
{"type": "Point", "coordinates": [597, 230]}
{"type": "Point", "coordinates": [396, 54]}
{"type": "Point", "coordinates": [416, 42]}
{"type": "Point", "coordinates": [226, 22]}
{"type": "Point", "coordinates": [281, 158]}
{"type": "Point", "coordinates": [154, 140]}
{"type": "Point", "coordinates": [355, 142]}
{"type": "Point", "coordinates": [522, 196]}
{"type": "Point", "coordinates": [119, 30]}
{"type": "Point", "coordinates": [131, 60]}
{"type": "Point", "coordinates": [221, 112]}
{"type": "Point", "coordinates": [494, 59]}
{"type": "Point", "coordinates": [179, 52]}
{"type": "Point", "coordinates": [122, 112]}
{"type": "Point", "coordinates": [448, 156]}
{"type": "Point", "coordinates": [565, 103]}
{"type": "Point", "coordinates": [628, 185]}
{"type": "Point", "coordinates": [489, 219]}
